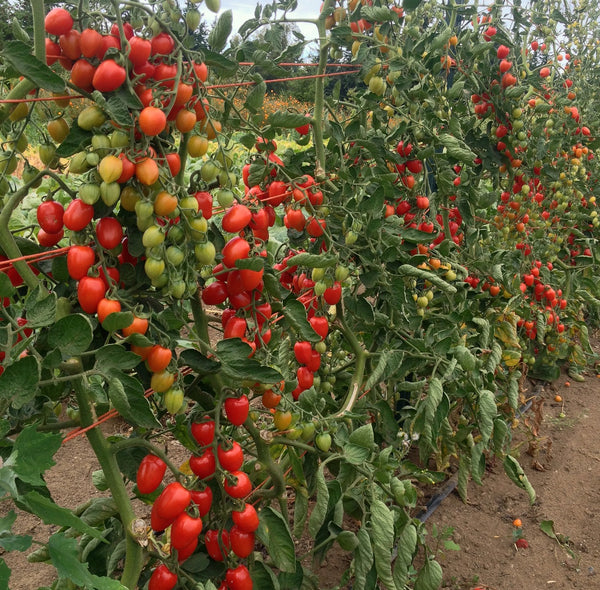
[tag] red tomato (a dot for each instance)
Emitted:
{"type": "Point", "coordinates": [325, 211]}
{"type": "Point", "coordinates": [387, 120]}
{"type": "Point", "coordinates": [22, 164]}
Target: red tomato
{"type": "Point", "coordinates": [109, 232]}
{"type": "Point", "coordinates": [320, 325]}
{"type": "Point", "coordinates": [203, 432]}
{"type": "Point", "coordinates": [242, 543]}
{"type": "Point", "coordinates": [215, 293]}
{"type": "Point", "coordinates": [205, 203]}
{"type": "Point", "coordinates": [162, 44]}
{"type": "Point", "coordinates": [236, 409]}
{"type": "Point", "coordinates": [110, 275]}
{"type": "Point", "coordinates": [238, 578]}
{"type": "Point", "coordinates": [303, 351]}
{"type": "Point", "coordinates": [333, 294]}
{"type": "Point", "coordinates": [246, 520]}
{"type": "Point", "coordinates": [165, 74]}
{"type": "Point", "coordinates": [52, 51]}
{"type": "Point", "coordinates": [173, 500]}
{"type": "Point", "coordinates": [162, 578]}
{"type": "Point", "coordinates": [82, 74]}
{"type": "Point", "coordinates": [203, 499]}
{"type": "Point", "coordinates": [185, 530]}
{"type": "Point", "coordinates": [240, 486]}
{"type": "Point", "coordinates": [236, 249]}
{"type": "Point", "coordinates": [174, 163]}
{"type": "Point", "coordinates": [204, 465]}
{"type": "Point", "coordinates": [201, 71]}
{"type": "Point", "coordinates": [251, 279]}
{"type": "Point", "coordinates": [235, 328]}
{"type": "Point", "coordinates": [77, 215]}
{"type": "Point", "coordinates": [79, 261]}
{"type": "Point", "coordinates": [50, 216]}
{"type": "Point", "coordinates": [159, 358]}
{"type": "Point", "coordinates": [108, 42]}
{"type": "Point", "coordinates": [138, 326]}
{"type": "Point", "coordinates": [231, 459]}
{"type": "Point", "coordinates": [128, 169]}
{"type": "Point", "coordinates": [187, 551]}
{"type": "Point", "coordinates": [106, 307]}
{"type": "Point", "coordinates": [213, 547]}
{"type": "Point", "coordinates": [48, 240]}
{"type": "Point", "coordinates": [90, 291]}
{"type": "Point", "coordinates": [58, 21]}
{"type": "Point", "coordinates": [150, 474]}
{"type": "Point", "coordinates": [236, 218]}
{"type": "Point", "coordinates": [152, 121]}
{"type": "Point", "coordinates": [69, 44]}
{"type": "Point", "coordinates": [139, 51]}
{"type": "Point", "coordinates": [305, 378]}
{"type": "Point", "coordinates": [314, 362]}
{"type": "Point", "coordinates": [109, 76]}
{"type": "Point", "coordinates": [90, 43]}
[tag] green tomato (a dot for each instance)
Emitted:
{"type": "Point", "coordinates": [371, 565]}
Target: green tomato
{"type": "Point", "coordinates": [173, 400]}
{"type": "Point", "coordinates": [175, 255]}
{"type": "Point", "coordinates": [323, 441]}
{"type": "Point", "coordinates": [205, 253]}
{"type": "Point", "coordinates": [153, 236]}
{"type": "Point", "coordinates": [154, 268]}
{"type": "Point", "coordinates": [110, 193]}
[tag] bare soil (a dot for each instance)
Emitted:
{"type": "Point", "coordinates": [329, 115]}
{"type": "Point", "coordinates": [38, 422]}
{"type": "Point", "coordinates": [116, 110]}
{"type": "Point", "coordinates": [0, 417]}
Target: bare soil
{"type": "Point", "coordinates": [564, 468]}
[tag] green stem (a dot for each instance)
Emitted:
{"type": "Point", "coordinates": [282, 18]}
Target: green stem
{"type": "Point", "coordinates": [134, 554]}
{"type": "Point", "coordinates": [320, 94]}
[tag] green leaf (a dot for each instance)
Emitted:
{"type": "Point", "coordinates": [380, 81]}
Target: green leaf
{"type": "Point", "coordinates": [547, 527]}
{"type": "Point", "coordinates": [360, 445]}
{"type": "Point", "coordinates": [119, 111]}
{"type": "Point", "coordinates": [295, 314]}
{"type": "Point", "coordinates": [127, 395]}
{"type": "Point", "coordinates": [51, 513]}
{"type": "Point", "coordinates": [388, 362]}
{"type": "Point", "coordinates": [382, 537]}
{"type": "Point", "coordinates": [200, 364]}
{"type": "Point", "coordinates": [275, 534]}
{"type": "Point", "coordinates": [263, 576]}
{"type": "Point", "coordinates": [487, 413]}
{"type": "Point", "coordinates": [18, 54]}
{"type": "Point", "coordinates": [33, 454]}
{"type": "Point", "coordinates": [312, 260]}
{"type": "Point", "coordinates": [515, 472]}
{"type": "Point", "coordinates": [6, 287]}
{"type": "Point", "coordinates": [19, 382]}
{"type": "Point", "coordinates": [377, 14]}
{"type": "Point", "coordinates": [300, 512]}
{"type": "Point", "coordinates": [114, 356]}
{"type": "Point", "coordinates": [317, 516]}
{"type": "Point", "coordinates": [255, 263]}
{"type": "Point", "coordinates": [217, 38]}
{"type": "Point", "coordinates": [233, 353]}
{"type": "Point", "coordinates": [4, 575]}
{"type": "Point", "coordinates": [19, 32]}
{"type": "Point", "coordinates": [287, 119]}
{"type": "Point", "coordinates": [64, 554]}
{"type": "Point", "coordinates": [363, 559]}
{"type": "Point", "coordinates": [218, 62]}
{"type": "Point", "coordinates": [410, 4]}
{"type": "Point", "coordinates": [117, 321]}
{"type": "Point", "coordinates": [77, 140]}
{"type": "Point", "coordinates": [72, 334]}
{"type": "Point", "coordinates": [11, 542]}
{"type": "Point", "coordinates": [42, 312]}
{"type": "Point", "coordinates": [406, 545]}
{"type": "Point", "coordinates": [256, 97]}
{"type": "Point", "coordinates": [456, 148]}
{"type": "Point", "coordinates": [430, 576]}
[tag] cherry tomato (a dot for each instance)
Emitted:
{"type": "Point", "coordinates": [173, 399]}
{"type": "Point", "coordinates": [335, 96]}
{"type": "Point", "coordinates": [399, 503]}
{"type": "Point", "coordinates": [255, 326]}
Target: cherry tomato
{"type": "Point", "coordinates": [173, 500]}
{"type": "Point", "coordinates": [236, 249]}
{"type": "Point", "coordinates": [235, 328]}
{"type": "Point", "coordinates": [203, 499]}
{"type": "Point", "coordinates": [215, 293]}
{"type": "Point", "coordinates": [162, 578]}
{"type": "Point", "coordinates": [162, 381]}
{"type": "Point", "coordinates": [333, 294]}
{"type": "Point", "coordinates": [236, 218]}
{"type": "Point", "coordinates": [320, 325]}
{"type": "Point", "coordinates": [242, 543]}
{"type": "Point", "coordinates": [150, 474]}
{"type": "Point", "coordinates": [79, 261]}
{"type": "Point", "coordinates": [203, 466]}
{"type": "Point", "coordinates": [303, 351]}
{"type": "Point", "coordinates": [238, 578]}
{"type": "Point", "coordinates": [77, 215]}
{"type": "Point", "coordinates": [159, 358]}
{"type": "Point", "coordinates": [236, 409]}
{"type": "Point", "coordinates": [185, 530]}
{"type": "Point", "coordinates": [109, 232]}
{"type": "Point", "coordinates": [246, 520]}
{"type": "Point", "coordinates": [138, 326]}
{"type": "Point", "coordinates": [213, 547]}
{"type": "Point", "coordinates": [48, 240]}
{"type": "Point", "coordinates": [90, 291]}
{"type": "Point", "coordinates": [251, 279]}
{"type": "Point", "coordinates": [139, 50]}
{"type": "Point", "coordinates": [152, 121]}
{"type": "Point", "coordinates": [109, 76]}
{"type": "Point", "coordinates": [50, 216]}
{"type": "Point", "coordinates": [187, 551]}
{"type": "Point", "coordinates": [305, 378]}
{"type": "Point", "coordinates": [270, 399]}
{"type": "Point", "coordinates": [58, 21]}
{"type": "Point", "coordinates": [203, 432]}
{"type": "Point", "coordinates": [238, 487]}
{"type": "Point", "coordinates": [147, 171]}
{"type": "Point", "coordinates": [106, 307]}
{"type": "Point", "coordinates": [82, 74]}
{"type": "Point", "coordinates": [232, 458]}
{"type": "Point", "coordinates": [69, 44]}
{"type": "Point", "coordinates": [90, 43]}
{"type": "Point", "coordinates": [162, 44]}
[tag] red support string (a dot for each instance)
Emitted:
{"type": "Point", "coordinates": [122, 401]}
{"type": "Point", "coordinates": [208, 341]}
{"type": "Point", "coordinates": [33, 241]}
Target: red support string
{"type": "Point", "coordinates": [4, 264]}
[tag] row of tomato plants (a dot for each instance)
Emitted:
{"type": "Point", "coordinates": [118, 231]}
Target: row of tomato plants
{"type": "Point", "coordinates": [336, 323]}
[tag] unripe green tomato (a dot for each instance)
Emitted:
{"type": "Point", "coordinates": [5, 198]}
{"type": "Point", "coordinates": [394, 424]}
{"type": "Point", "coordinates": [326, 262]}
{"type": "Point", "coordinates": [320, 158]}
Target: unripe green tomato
{"type": "Point", "coordinates": [101, 144]}
{"type": "Point", "coordinates": [209, 171]}
{"type": "Point", "coordinates": [153, 236]}
{"type": "Point", "coordinates": [318, 274]}
{"type": "Point", "coordinates": [189, 206]}
{"type": "Point", "coordinates": [308, 431]}
{"type": "Point", "coordinates": [92, 159]}
{"type": "Point", "coordinates": [78, 163]}
{"type": "Point", "coordinates": [175, 255]}
{"type": "Point", "coordinates": [73, 414]}
{"type": "Point", "coordinates": [154, 268]}
{"type": "Point", "coordinates": [347, 540]}
{"type": "Point", "coordinates": [227, 179]}
{"type": "Point", "coordinates": [89, 193]}
{"type": "Point", "coordinates": [173, 400]}
{"type": "Point", "coordinates": [161, 281]}
{"type": "Point", "coordinates": [118, 139]}
{"type": "Point", "coordinates": [91, 117]}
{"type": "Point", "coordinates": [319, 288]}
{"type": "Point", "coordinates": [225, 197]}
{"type": "Point", "coordinates": [323, 441]}
{"type": "Point", "coordinates": [46, 151]}
{"type": "Point", "coordinates": [29, 173]}
{"type": "Point", "coordinates": [341, 273]}
{"type": "Point", "coordinates": [350, 237]}
{"type": "Point", "coordinates": [176, 234]}
{"type": "Point", "coordinates": [192, 19]}
{"type": "Point", "coordinates": [321, 347]}
{"type": "Point", "coordinates": [205, 253]}
{"type": "Point", "coordinates": [422, 301]}
{"type": "Point", "coordinates": [213, 5]}
{"type": "Point", "coordinates": [144, 210]}
{"type": "Point", "coordinates": [198, 227]}
{"type": "Point", "coordinates": [110, 193]}
{"type": "Point", "coordinates": [450, 275]}
{"type": "Point", "coordinates": [177, 288]}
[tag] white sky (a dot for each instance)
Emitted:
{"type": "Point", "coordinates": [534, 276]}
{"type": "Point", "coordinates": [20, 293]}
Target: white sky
{"type": "Point", "coordinates": [243, 10]}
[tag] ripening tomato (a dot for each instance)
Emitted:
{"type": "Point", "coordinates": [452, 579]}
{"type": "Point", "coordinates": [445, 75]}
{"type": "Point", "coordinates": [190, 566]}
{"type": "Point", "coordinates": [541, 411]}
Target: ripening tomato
{"type": "Point", "coordinates": [50, 216]}
{"type": "Point", "coordinates": [90, 291]}
{"type": "Point", "coordinates": [138, 326]}
{"type": "Point", "coordinates": [147, 171]}
{"type": "Point", "coordinates": [185, 530]}
{"type": "Point", "coordinates": [162, 578]}
{"type": "Point", "coordinates": [106, 307]}
{"type": "Point", "coordinates": [152, 121]}
{"type": "Point", "coordinates": [246, 520]}
{"type": "Point", "coordinates": [159, 358]}
{"type": "Point", "coordinates": [58, 21]}
{"type": "Point", "coordinates": [58, 129]}
{"type": "Point", "coordinates": [231, 459]}
{"type": "Point", "coordinates": [79, 261]}
{"type": "Point", "coordinates": [215, 548]}
{"type": "Point", "coordinates": [77, 215]}
{"type": "Point", "coordinates": [162, 381]}
{"type": "Point", "coordinates": [270, 399]}
{"type": "Point", "coordinates": [165, 203]}
{"type": "Point", "coordinates": [203, 432]}
{"type": "Point", "coordinates": [238, 486]}
{"type": "Point", "coordinates": [109, 232]}
{"type": "Point", "coordinates": [203, 500]}
{"type": "Point", "coordinates": [236, 409]}
{"type": "Point", "coordinates": [186, 120]}
{"type": "Point", "coordinates": [238, 578]}
{"type": "Point", "coordinates": [150, 474]}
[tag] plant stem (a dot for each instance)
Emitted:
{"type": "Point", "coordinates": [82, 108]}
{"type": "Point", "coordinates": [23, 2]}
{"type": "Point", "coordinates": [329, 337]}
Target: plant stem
{"type": "Point", "coordinates": [134, 554]}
